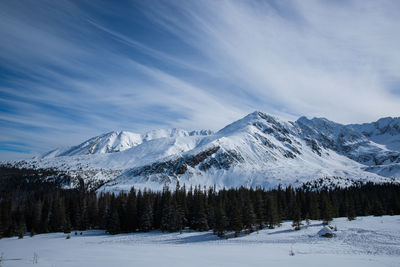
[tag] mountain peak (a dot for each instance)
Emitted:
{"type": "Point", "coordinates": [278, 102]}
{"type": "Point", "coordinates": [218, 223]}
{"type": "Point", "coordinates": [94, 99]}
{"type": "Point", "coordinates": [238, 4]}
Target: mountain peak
{"type": "Point", "coordinates": [388, 122]}
{"type": "Point", "coordinates": [248, 120]}
{"type": "Point", "coordinates": [315, 120]}
{"type": "Point", "coordinates": [256, 150]}
{"type": "Point", "coordinates": [260, 115]}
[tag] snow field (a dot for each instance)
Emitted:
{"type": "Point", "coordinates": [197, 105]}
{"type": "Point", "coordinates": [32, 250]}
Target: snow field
{"type": "Point", "coordinates": [366, 241]}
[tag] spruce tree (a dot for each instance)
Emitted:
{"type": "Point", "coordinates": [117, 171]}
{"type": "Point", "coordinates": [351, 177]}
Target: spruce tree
{"type": "Point", "coordinates": [45, 217]}
{"type": "Point", "coordinates": [249, 217]}
{"type": "Point", "coordinates": [351, 213]}
{"type": "Point", "coordinates": [57, 215]}
{"type": "Point", "coordinates": [236, 220]}
{"type": "Point", "coordinates": [259, 209]}
{"type": "Point", "coordinates": [272, 213]}
{"type": "Point", "coordinates": [131, 211]}
{"type": "Point", "coordinates": [378, 209]}
{"type": "Point", "coordinates": [175, 217]}
{"type": "Point", "coordinates": [92, 211]}
{"type": "Point", "coordinates": [5, 219]}
{"type": "Point", "coordinates": [313, 206]}
{"type": "Point", "coordinates": [67, 226]}
{"type": "Point", "coordinates": [199, 221]}
{"type": "Point", "coordinates": [296, 217]}
{"type": "Point", "coordinates": [36, 215]}
{"type": "Point", "coordinates": [326, 211]}
{"type": "Point", "coordinates": [113, 223]}
{"type": "Point", "coordinates": [220, 220]}
{"type": "Point", "coordinates": [146, 217]}
{"type": "Point", "coordinates": [166, 213]}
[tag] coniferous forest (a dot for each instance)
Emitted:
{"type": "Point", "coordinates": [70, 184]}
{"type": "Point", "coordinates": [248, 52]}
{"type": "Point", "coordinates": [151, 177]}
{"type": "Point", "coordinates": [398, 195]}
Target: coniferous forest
{"type": "Point", "coordinates": [31, 204]}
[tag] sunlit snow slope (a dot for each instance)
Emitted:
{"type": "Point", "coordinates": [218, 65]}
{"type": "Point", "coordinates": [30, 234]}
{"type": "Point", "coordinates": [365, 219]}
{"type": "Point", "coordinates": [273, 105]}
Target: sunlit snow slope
{"type": "Point", "coordinates": [257, 150]}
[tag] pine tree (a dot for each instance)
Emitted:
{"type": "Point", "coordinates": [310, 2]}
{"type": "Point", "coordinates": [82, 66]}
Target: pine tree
{"type": "Point", "coordinates": [44, 220]}
{"type": "Point", "coordinates": [146, 217]}
{"type": "Point", "coordinates": [259, 209]}
{"type": "Point", "coordinates": [131, 211]}
{"type": "Point", "coordinates": [236, 220]}
{"type": "Point", "coordinates": [199, 221]}
{"type": "Point", "coordinates": [57, 215]}
{"type": "Point", "coordinates": [282, 204]}
{"type": "Point", "coordinates": [326, 211]}
{"type": "Point", "coordinates": [113, 223]}
{"type": "Point", "coordinates": [366, 207]}
{"type": "Point", "coordinates": [249, 217]}
{"type": "Point", "coordinates": [272, 213]}
{"type": "Point", "coordinates": [313, 206]}
{"type": "Point", "coordinates": [92, 211]}
{"type": "Point", "coordinates": [5, 219]}
{"type": "Point", "coordinates": [36, 215]}
{"type": "Point", "coordinates": [103, 205]}
{"type": "Point", "coordinates": [296, 217]}
{"type": "Point", "coordinates": [211, 217]}
{"type": "Point", "coordinates": [83, 222]}
{"type": "Point", "coordinates": [166, 211]}
{"type": "Point", "coordinates": [67, 226]}
{"type": "Point", "coordinates": [220, 220]}
{"type": "Point", "coordinates": [351, 213]}
{"type": "Point", "coordinates": [19, 222]}
{"type": "Point", "coordinates": [175, 217]}
{"type": "Point", "coordinates": [378, 209]}
{"type": "Point", "coordinates": [233, 209]}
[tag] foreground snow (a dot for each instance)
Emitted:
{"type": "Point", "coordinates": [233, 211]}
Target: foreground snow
{"type": "Point", "coordinates": [367, 241]}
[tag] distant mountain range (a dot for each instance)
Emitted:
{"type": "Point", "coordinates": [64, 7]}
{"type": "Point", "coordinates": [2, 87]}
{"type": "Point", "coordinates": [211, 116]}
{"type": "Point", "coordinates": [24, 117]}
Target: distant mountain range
{"type": "Point", "coordinates": [257, 150]}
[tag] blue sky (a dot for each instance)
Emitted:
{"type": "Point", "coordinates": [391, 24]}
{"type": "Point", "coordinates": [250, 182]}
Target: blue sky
{"type": "Point", "coordinates": [70, 70]}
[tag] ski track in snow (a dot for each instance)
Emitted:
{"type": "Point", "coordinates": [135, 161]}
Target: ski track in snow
{"type": "Point", "coordinates": [366, 241]}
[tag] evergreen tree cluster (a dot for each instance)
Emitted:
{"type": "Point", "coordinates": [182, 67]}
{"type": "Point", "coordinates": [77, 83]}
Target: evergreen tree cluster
{"type": "Point", "coordinates": [228, 210]}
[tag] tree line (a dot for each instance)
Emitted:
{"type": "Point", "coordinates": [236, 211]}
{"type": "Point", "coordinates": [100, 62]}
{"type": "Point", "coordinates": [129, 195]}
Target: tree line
{"type": "Point", "coordinates": [232, 211]}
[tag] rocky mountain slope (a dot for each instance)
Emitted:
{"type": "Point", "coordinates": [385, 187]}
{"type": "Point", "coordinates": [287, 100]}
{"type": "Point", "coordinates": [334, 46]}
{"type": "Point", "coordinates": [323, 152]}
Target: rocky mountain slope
{"type": "Point", "coordinates": [257, 150]}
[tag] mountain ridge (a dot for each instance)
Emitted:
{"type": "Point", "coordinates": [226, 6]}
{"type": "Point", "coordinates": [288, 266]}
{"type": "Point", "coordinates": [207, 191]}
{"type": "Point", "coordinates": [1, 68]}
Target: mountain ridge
{"type": "Point", "coordinates": [257, 150]}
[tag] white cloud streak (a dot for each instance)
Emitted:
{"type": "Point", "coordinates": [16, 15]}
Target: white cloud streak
{"type": "Point", "coordinates": [334, 59]}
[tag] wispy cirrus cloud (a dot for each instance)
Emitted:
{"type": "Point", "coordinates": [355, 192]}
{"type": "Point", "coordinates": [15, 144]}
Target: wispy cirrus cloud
{"type": "Point", "coordinates": [311, 57]}
{"type": "Point", "coordinates": [73, 69]}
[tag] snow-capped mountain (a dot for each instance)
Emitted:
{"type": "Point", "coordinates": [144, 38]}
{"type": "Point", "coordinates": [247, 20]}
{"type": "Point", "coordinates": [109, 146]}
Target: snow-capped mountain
{"type": "Point", "coordinates": [353, 142]}
{"type": "Point", "coordinates": [119, 141]}
{"type": "Point", "coordinates": [257, 150]}
{"type": "Point", "coordinates": [105, 143]}
{"type": "Point", "coordinates": [385, 131]}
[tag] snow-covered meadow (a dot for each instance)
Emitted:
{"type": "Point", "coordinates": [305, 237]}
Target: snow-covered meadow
{"type": "Point", "coordinates": [367, 241]}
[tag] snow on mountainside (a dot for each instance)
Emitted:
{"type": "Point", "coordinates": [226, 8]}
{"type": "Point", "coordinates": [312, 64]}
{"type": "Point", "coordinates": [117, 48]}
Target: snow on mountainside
{"type": "Point", "coordinates": [106, 143]}
{"type": "Point", "coordinates": [345, 140]}
{"type": "Point", "coordinates": [385, 131]}
{"type": "Point", "coordinates": [257, 150]}
{"type": "Point", "coordinates": [119, 141]}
